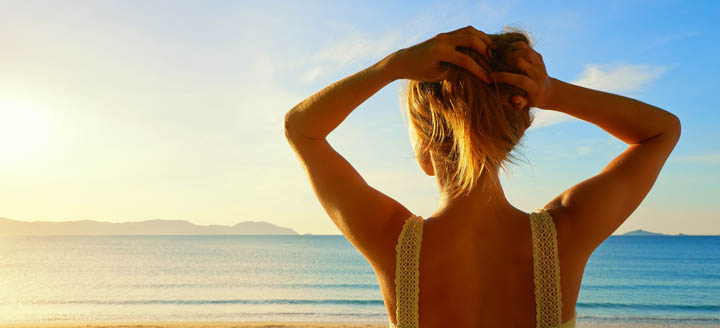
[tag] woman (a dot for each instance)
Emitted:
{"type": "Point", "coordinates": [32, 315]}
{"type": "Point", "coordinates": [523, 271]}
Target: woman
{"type": "Point", "coordinates": [483, 262]}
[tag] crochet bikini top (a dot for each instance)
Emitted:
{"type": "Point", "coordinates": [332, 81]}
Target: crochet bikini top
{"type": "Point", "coordinates": [546, 271]}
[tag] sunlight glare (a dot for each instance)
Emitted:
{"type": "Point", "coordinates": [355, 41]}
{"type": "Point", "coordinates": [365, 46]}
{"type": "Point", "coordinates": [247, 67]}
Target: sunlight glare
{"type": "Point", "coordinates": [24, 130]}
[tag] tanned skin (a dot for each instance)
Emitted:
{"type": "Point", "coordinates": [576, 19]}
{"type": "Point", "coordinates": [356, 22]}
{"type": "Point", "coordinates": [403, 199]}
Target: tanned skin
{"type": "Point", "coordinates": [584, 215]}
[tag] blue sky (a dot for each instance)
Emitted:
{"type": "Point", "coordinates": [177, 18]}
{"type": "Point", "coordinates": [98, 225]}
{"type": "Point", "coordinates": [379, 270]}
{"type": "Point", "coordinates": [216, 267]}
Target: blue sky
{"type": "Point", "coordinates": [128, 110]}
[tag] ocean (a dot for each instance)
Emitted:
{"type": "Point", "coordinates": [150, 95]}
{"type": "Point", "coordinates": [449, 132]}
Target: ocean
{"type": "Point", "coordinates": [673, 279]}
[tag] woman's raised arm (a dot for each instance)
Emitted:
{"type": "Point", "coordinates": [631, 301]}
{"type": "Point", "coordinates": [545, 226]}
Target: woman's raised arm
{"type": "Point", "coordinates": [316, 116]}
{"type": "Point", "coordinates": [369, 219]}
{"type": "Point", "coordinates": [596, 207]}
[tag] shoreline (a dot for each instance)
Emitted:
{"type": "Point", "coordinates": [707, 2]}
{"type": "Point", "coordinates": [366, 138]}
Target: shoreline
{"type": "Point", "coordinates": [294, 324]}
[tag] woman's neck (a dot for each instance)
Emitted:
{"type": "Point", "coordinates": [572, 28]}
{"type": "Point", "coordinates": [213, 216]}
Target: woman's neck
{"type": "Point", "coordinates": [484, 197]}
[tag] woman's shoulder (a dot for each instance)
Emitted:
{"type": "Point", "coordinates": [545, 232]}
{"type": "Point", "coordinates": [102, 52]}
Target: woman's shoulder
{"type": "Point", "coordinates": [384, 260]}
{"type": "Point", "coordinates": [565, 236]}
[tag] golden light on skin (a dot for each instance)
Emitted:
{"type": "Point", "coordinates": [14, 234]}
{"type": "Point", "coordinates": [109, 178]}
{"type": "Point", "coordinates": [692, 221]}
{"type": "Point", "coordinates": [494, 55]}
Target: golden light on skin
{"type": "Point", "coordinates": [25, 130]}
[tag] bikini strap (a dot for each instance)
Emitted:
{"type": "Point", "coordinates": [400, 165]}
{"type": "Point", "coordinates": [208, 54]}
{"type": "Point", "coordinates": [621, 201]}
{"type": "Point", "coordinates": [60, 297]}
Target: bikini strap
{"type": "Point", "coordinates": [546, 270]}
{"type": "Point", "coordinates": [407, 263]}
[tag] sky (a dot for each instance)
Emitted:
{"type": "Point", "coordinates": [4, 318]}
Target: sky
{"type": "Point", "coordinates": [136, 110]}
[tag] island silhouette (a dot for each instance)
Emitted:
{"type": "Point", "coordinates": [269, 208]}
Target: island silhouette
{"type": "Point", "coordinates": [149, 227]}
{"type": "Point", "coordinates": [641, 232]}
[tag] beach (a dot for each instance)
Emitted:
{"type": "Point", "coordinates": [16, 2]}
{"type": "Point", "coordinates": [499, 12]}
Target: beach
{"type": "Point", "coordinates": [281, 324]}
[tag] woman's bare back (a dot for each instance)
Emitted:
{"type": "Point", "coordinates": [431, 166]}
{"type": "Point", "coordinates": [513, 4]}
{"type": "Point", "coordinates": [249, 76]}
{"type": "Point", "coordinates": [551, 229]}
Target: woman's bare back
{"type": "Point", "coordinates": [481, 275]}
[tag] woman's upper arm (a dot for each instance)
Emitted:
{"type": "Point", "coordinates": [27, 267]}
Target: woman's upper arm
{"type": "Point", "coordinates": [596, 207]}
{"type": "Point", "coordinates": [363, 214]}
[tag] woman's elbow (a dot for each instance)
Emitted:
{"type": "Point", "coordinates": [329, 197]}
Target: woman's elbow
{"type": "Point", "coordinates": [675, 125]}
{"type": "Point", "coordinates": [288, 125]}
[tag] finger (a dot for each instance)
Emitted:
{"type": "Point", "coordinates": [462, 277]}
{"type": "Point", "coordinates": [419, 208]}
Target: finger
{"type": "Point", "coordinates": [518, 80]}
{"type": "Point", "coordinates": [524, 60]}
{"type": "Point", "coordinates": [521, 48]}
{"type": "Point", "coordinates": [473, 40]}
{"type": "Point", "coordinates": [524, 65]}
{"type": "Point", "coordinates": [538, 59]}
{"type": "Point", "coordinates": [461, 29]}
{"type": "Point", "coordinates": [520, 45]}
{"type": "Point", "coordinates": [533, 57]}
{"type": "Point", "coordinates": [468, 63]}
{"type": "Point", "coordinates": [475, 31]}
{"type": "Point", "coordinates": [481, 35]}
{"type": "Point", "coordinates": [529, 53]}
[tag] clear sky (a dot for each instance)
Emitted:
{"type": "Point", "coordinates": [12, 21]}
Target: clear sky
{"type": "Point", "coordinates": [136, 110]}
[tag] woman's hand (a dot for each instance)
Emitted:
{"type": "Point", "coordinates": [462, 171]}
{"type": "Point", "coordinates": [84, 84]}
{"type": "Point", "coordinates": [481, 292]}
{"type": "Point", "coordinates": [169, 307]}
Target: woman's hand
{"type": "Point", "coordinates": [426, 61]}
{"type": "Point", "coordinates": [535, 81]}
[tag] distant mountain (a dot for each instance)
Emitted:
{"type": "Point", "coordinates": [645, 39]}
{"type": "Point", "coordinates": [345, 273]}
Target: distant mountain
{"type": "Point", "coordinates": [151, 227]}
{"type": "Point", "coordinates": [641, 232]}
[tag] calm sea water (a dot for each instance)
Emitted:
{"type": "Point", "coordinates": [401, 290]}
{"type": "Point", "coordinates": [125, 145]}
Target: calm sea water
{"type": "Point", "coordinates": [310, 278]}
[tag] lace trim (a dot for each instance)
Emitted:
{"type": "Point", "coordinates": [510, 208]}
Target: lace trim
{"type": "Point", "coordinates": [548, 297]}
{"type": "Point", "coordinates": [407, 271]}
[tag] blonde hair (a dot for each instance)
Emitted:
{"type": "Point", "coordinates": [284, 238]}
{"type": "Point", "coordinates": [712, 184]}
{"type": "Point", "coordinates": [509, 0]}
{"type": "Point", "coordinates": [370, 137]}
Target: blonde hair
{"type": "Point", "coordinates": [468, 126]}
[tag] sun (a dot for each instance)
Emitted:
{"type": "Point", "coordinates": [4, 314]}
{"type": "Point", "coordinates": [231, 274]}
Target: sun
{"type": "Point", "coordinates": [25, 131]}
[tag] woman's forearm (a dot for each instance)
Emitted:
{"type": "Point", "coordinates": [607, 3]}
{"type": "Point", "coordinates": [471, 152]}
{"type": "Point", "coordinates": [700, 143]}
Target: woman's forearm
{"type": "Point", "coordinates": [629, 120]}
{"type": "Point", "coordinates": [319, 114]}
